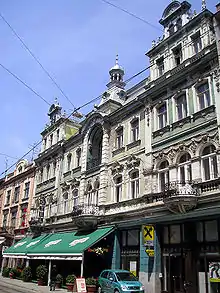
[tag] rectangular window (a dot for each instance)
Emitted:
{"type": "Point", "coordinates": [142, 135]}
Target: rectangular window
{"type": "Point", "coordinates": [51, 139]}
{"type": "Point", "coordinates": [134, 184]}
{"type": "Point", "coordinates": [78, 157]}
{"type": "Point", "coordinates": [58, 135]}
{"type": "Point", "coordinates": [23, 216]}
{"type": "Point", "coordinates": [203, 96]}
{"type": "Point", "coordinates": [5, 221]}
{"type": "Point", "coordinates": [135, 130]}
{"type": "Point", "coordinates": [211, 231]}
{"type": "Point", "coordinates": [119, 138]}
{"type": "Point", "coordinates": [13, 218]}
{"type": "Point", "coordinates": [133, 237]}
{"type": "Point", "coordinates": [16, 194]}
{"type": "Point", "coordinates": [181, 107]}
{"type": "Point", "coordinates": [162, 116]}
{"type": "Point", "coordinates": [69, 160]}
{"type": "Point", "coordinates": [118, 188]}
{"type": "Point", "coordinates": [196, 43]}
{"type": "Point", "coordinates": [8, 197]}
{"type": "Point", "coordinates": [26, 190]}
{"type": "Point", "coordinates": [177, 53]}
{"type": "Point", "coordinates": [160, 66]}
{"type": "Point", "coordinates": [45, 143]}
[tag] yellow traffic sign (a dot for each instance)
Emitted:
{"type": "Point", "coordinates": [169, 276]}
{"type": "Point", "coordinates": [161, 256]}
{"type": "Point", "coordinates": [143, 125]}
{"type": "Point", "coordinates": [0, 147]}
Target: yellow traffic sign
{"type": "Point", "coordinates": [148, 233]}
{"type": "Point", "coordinates": [150, 252]}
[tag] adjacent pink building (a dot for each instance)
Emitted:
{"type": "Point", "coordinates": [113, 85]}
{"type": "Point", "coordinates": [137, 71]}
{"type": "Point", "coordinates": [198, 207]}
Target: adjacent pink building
{"type": "Point", "coordinates": [18, 190]}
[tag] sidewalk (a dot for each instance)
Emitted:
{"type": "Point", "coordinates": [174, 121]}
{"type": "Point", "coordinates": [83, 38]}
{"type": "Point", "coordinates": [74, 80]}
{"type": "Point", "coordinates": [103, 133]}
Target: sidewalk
{"type": "Point", "coordinates": [29, 286]}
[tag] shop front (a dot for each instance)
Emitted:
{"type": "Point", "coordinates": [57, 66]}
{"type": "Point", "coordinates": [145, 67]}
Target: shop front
{"type": "Point", "coordinates": [189, 252]}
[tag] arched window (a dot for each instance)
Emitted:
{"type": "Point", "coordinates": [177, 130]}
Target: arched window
{"type": "Point", "coordinates": [94, 156]}
{"type": "Point", "coordinates": [203, 95]}
{"type": "Point", "coordinates": [118, 188]}
{"type": "Point", "coordinates": [179, 23]}
{"type": "Point", "coordinates": [65, 203]}
{"type": "Point", "coordinates": [48, 172]}
{"type": "Point", "coordinates": [184, 168]}
{"type": "Point", "coordinates": [78, 157]}
{"type": "Point", "coordinates": [134, 181]}
{"type": "Point", "coordinates": [163, 175]}
{"type": "Point", "coordinates": [209, 163]}
{"type": "Point", "coordinates": [134, 129]}
{"type": "Point", "coordinates": [75, 197]}
{"type": "Point", "coordinates": [171, 29]}
{"type": "Point", "coordinates": [69, 161]}
{"type": "Point", "coordinates": [119, 137]}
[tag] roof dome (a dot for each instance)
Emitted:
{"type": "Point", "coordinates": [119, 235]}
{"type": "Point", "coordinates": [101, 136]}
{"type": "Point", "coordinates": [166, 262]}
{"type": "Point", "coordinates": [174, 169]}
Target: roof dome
{"type": "Point", "coordinates": [116, 66]}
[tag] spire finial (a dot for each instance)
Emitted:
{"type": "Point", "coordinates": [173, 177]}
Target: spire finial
{"type": "Point", "coordinates": [56, 101]}
{"type": "Point", "coordinates": [203, 4]}
{"type": "Point", "coordinates": [116, 59]}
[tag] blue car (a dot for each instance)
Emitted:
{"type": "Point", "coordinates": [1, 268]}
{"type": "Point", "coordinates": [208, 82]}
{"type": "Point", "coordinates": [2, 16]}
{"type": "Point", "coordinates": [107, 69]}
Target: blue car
{"type": "Point", "coordinates": [119, 281]}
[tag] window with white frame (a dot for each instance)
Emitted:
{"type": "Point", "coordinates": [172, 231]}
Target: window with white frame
{"type": "Point", "coordinates": [163, 175]}
{"type": "Point", "coordinates": [58, 135]}
{"type": "Point", "coordinates": [48, 172]}
{"type": "Point", "coordinates": [69, 161]}
{"type": "Point", "coordinates": [160, 66]}
{"type": "Point", "coordinates": [196, 43]}
{"type": "Point", "coordinates": [75, 197]}
{"type": "Point", "coordinates": [5, 220]}
{"type": "Point", "coordinates": [162, 115]}
{"type": "Point", "coordinates": [54, 168]}
{"type": "Point", "coordinates": [179, 23]}
{"type": "Point", "coordinates": [181, 107]}
{"type": "Point", "coordinates": [177, 53]}
{"type": "Point", "coordinates": [13, 218]}
{"type": "Point", "coordinates": [65, 203]}
{"type": "Point", "coordinates": [118, 188]}
{"type": "Point", "coordinates": [184, 168]}
{"type": "Point", "coordinates": [119, 137]}
{"type": "Point", "coordinates": [16, 194]}
{"type": "Point", "coordinates": [134, 184]}
{"type": "Point", "coordinates": [134, 129]}
{"type": "Point", "coordinates": [209, 163]}
{"type": "Point", "coordinates": [203, 95]}
{"type": "Point", "coordinates": [78, 157]}
{"type": "Point", "coordinates": [51, 139]}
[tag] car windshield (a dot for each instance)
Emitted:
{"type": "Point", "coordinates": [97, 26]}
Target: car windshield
{"type": "Point", "coordinates": [125, 276]}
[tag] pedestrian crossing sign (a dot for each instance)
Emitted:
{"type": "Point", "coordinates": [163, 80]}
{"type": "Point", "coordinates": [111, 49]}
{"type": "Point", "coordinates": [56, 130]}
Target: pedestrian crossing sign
{"type": "Point", "coordinates": [148, 234]}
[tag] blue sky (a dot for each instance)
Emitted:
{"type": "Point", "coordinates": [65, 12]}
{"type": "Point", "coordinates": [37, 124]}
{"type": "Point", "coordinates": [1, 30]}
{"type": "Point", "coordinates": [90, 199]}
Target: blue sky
{"type": "Point", "coordinates": [76, 41]}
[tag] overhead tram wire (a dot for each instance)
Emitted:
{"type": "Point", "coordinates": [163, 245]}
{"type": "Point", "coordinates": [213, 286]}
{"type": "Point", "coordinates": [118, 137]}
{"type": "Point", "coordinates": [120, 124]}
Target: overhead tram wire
{"type": "Point", "coordinates": [24, 83]}
{"type": "Point", "coordinates": [131, 14]}
{"type": "Point", "coordinates": [84, 105]}
{"type": "Point", "coordinates": [36, 59]}
{"type": "Point", "coordinates": [75, 110]}
{"type": "Point", "coordinates": [8, 156]}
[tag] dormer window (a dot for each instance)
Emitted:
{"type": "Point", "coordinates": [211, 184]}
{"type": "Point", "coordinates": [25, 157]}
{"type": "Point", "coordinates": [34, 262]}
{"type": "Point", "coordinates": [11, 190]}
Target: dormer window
{"type": "Point", "coordinates": [160, 66]}
{"type": "Point", "coordinates": [171, 29]}
{"type": "Point", "coordinates": [177, 52]}
{"type": "Point", "coordinates": [179, 24]}
{"type": "Point", "coordinates": [196, 43]}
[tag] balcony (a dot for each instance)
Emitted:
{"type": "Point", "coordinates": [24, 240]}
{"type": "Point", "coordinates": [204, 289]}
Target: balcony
{"type": "Point", "coordinates": [180, 197]}
{"type": "Point", "coordinates": [36, 225]}
{"type": "Point", "coordinates": [85, 216]}
{"type": "Point", "coordinates": [93, 164]}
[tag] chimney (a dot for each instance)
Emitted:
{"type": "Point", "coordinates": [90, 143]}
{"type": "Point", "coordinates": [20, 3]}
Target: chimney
{"type": "Point", "coordinates": [218, 7]}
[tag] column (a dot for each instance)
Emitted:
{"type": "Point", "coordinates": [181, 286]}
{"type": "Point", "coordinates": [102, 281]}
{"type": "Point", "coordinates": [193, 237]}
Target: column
{"type": "Point", "coordinates": [27, 263]}
{"type": "Point", "coordinates": [49, 273]}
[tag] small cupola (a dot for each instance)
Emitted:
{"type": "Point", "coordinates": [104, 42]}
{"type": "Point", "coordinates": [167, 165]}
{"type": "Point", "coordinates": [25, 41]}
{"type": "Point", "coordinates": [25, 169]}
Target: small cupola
{"type": "Point", "coordinates": [54, 112]}
{"type": "Point", "coordinates": [116, 75]}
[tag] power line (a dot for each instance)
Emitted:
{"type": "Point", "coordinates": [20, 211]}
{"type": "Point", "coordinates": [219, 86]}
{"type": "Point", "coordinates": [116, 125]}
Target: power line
{"type": "Point", "coordinates": [131, 14]}
{"type": "Point", "coordinates": [36, 59]}
{"type": "Point", "coordinates": [74, 111]}
{"type": "Point", "coordinates": [86, 104]}
{"type": "Point", "coordinates": [24, 83]}
{"type": "Point", "coordinates": [8, 156]}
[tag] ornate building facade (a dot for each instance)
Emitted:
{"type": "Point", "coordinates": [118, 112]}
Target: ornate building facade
{"type": "Point", "coordinates": [145, 160]}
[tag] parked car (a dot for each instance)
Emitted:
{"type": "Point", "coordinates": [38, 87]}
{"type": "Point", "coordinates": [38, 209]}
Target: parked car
{"type": "Point", "coordinates": [118, 281]}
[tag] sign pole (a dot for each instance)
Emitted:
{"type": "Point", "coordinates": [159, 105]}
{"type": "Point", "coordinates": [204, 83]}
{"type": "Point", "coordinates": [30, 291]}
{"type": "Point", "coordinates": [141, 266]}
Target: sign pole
{"type": "Point", "coordinates": [82, 264]}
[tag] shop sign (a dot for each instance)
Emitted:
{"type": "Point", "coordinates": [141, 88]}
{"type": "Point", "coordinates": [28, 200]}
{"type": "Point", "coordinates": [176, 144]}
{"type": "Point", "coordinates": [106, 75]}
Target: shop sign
{"type": "Point", "coordinates": [214, 272]}
{"type": "Point", "coordinates": [150, 252]}
{"type": "Point", "coordinates": [133, 267]}
{"type": "Point", "coordinates": [81, 285]}
{"type": "Point", "coordinates": [148, 235]}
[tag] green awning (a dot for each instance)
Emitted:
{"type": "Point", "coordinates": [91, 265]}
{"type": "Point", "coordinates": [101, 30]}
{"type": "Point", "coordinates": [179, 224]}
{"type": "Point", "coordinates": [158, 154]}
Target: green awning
{"type": "Point", "coordinates": [23, 246]}
{"type": "Point", "coordinates": [69, 245]}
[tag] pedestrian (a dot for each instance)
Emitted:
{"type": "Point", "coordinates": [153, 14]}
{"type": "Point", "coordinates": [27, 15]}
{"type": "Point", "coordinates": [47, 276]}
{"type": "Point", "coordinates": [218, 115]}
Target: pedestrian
{"type": "Point", "coordinates": [53, 278]}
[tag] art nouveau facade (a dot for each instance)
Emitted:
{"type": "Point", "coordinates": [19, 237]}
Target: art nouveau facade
{"type": "Point", "coordinates": [145, 156]}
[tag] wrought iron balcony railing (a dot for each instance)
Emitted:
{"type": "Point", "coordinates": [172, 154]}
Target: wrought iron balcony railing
{"type": "Point", "coordinates": [180, 188]}
{"type": "Point", "coordinates": [92, 163]}
{"type": "Point", "coordinates": [84, 209]}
